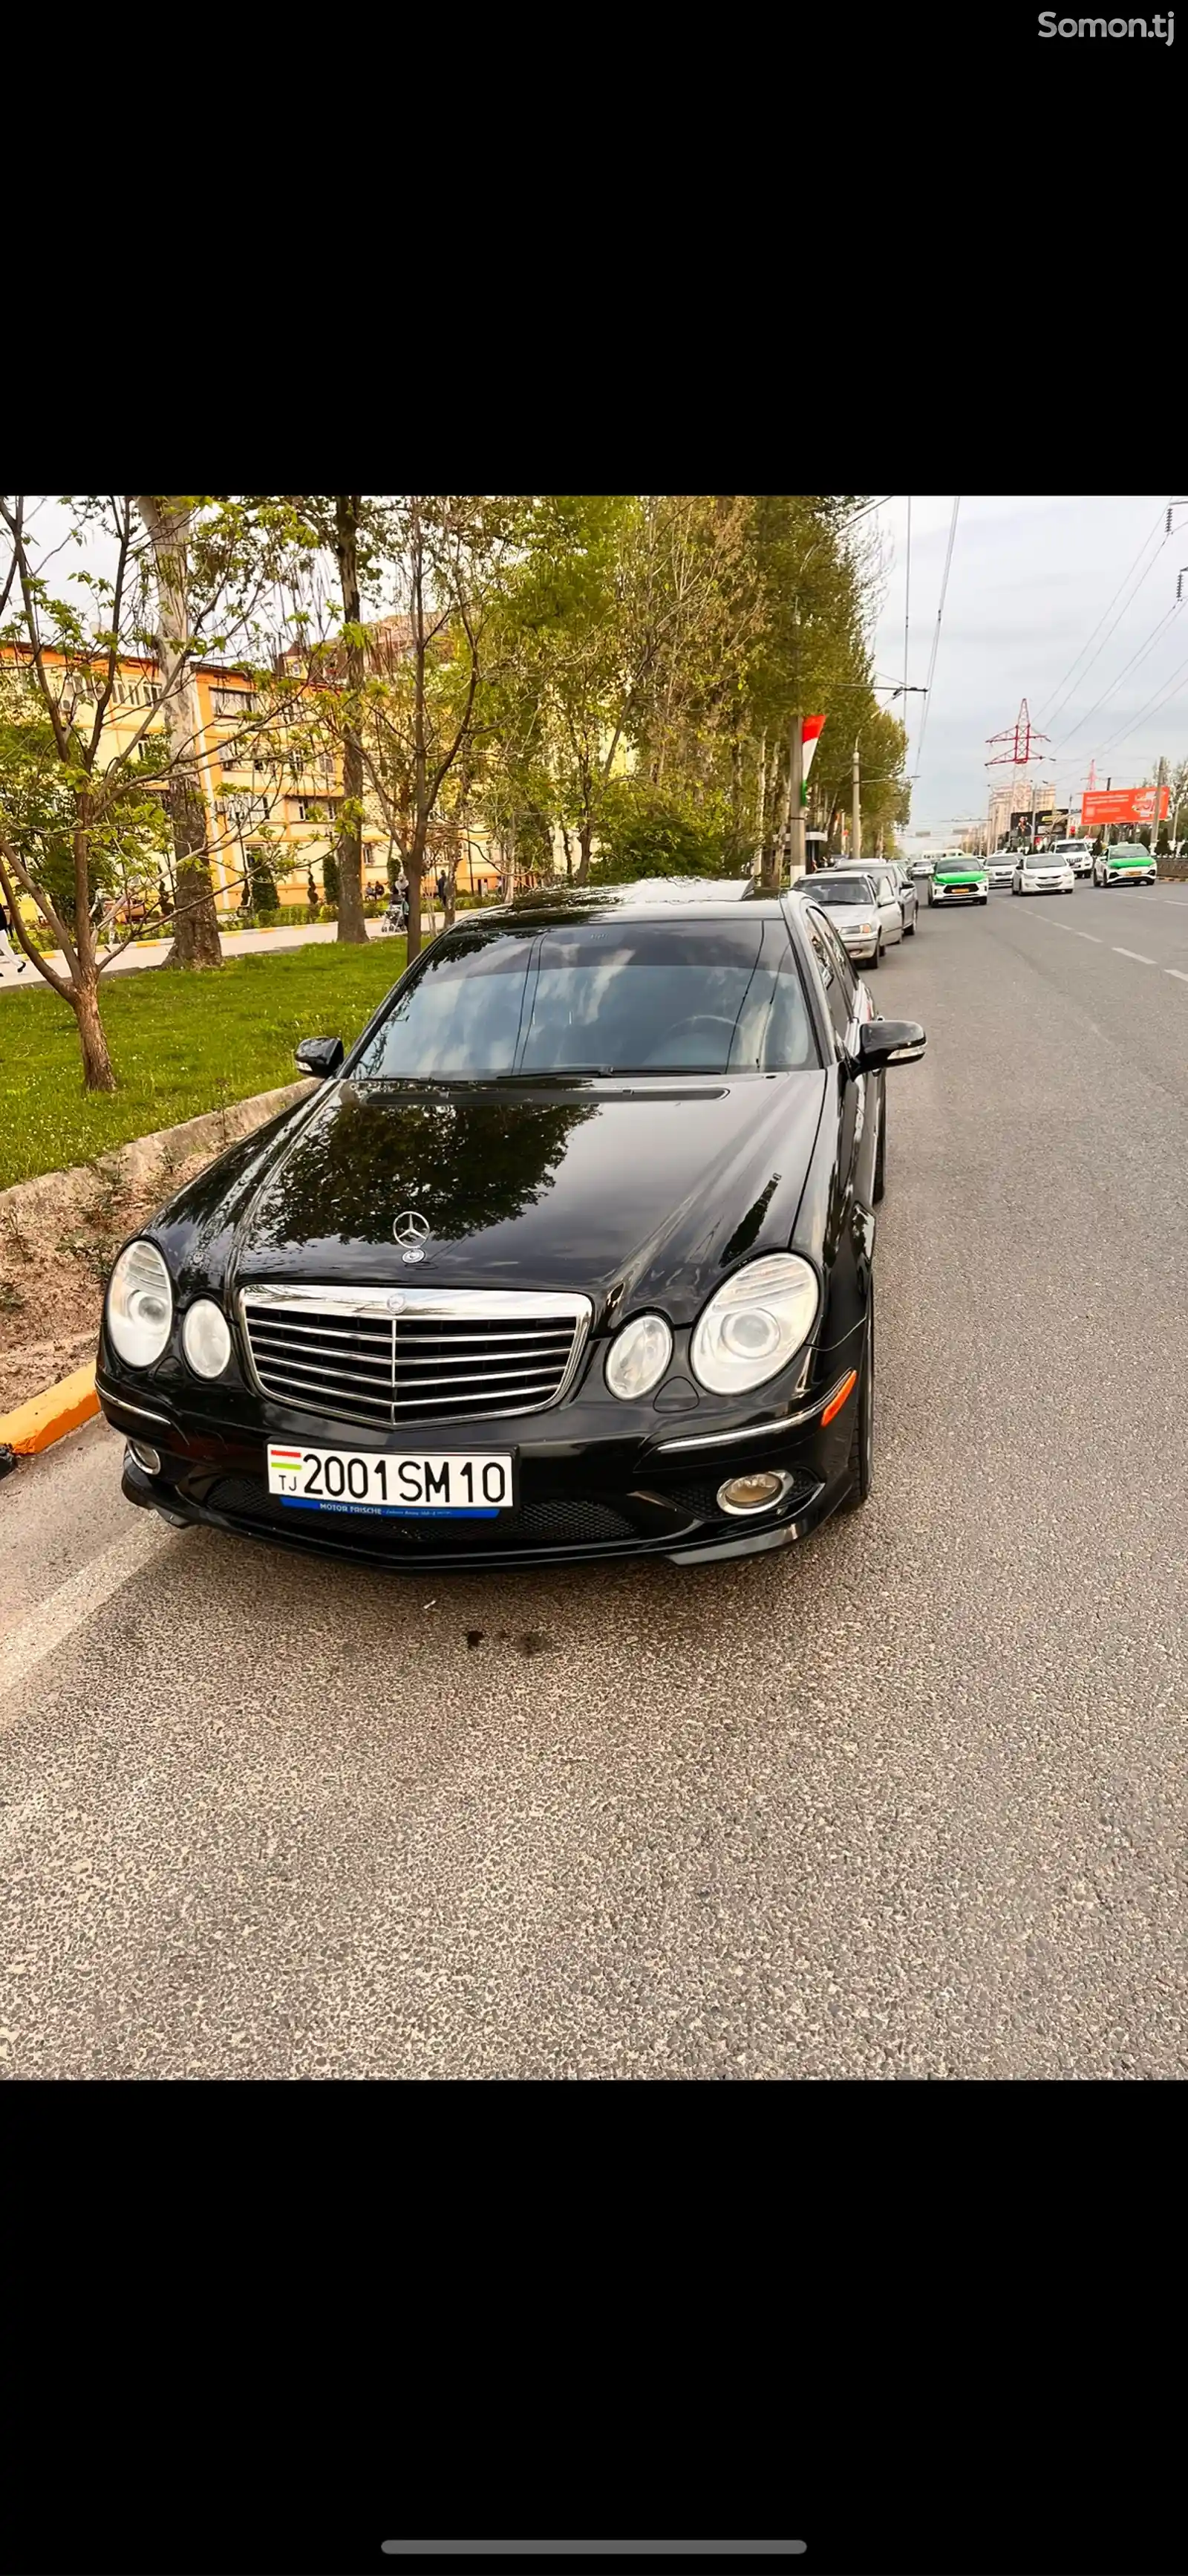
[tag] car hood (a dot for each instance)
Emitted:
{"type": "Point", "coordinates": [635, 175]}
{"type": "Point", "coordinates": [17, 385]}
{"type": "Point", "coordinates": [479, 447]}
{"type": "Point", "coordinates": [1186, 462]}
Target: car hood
{"type": "Point", "coordinates": [846, 916]}
{"type": "Point", "coordinates": [628, 1192]}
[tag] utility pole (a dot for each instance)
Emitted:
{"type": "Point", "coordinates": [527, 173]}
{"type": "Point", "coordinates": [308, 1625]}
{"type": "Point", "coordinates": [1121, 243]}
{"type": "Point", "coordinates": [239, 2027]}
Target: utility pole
{"type": "Point", "coordinates": [795, 793]}
{"type": "Point", "coordinates": [1158, 805]}
{"type": "Point", "coordinates": [856, 811]}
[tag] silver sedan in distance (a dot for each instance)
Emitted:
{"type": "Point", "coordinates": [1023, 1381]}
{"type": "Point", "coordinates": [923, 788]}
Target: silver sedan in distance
{"type": "Point", "coordinates": [864, 910]}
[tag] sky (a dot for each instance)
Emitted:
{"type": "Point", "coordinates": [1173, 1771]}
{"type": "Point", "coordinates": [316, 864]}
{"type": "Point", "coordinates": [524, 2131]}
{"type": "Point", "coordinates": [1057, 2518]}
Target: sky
{"type": "Point", "coordinates": [1028, 613]}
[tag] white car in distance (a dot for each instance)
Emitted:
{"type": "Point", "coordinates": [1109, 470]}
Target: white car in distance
{"type": "Point", "coordinates": [862, 905]}
{"type": "Point", "coordinates": [1000, 867]}
{"type": "Point", "coordinates": [1042, 872]}
{"type": "Point", "coordinates": [1079, 855]}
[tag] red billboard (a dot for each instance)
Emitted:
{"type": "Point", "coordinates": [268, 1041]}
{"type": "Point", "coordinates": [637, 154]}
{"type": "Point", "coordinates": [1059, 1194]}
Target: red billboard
{"type": "Point", "coordinates": [1122, 805]}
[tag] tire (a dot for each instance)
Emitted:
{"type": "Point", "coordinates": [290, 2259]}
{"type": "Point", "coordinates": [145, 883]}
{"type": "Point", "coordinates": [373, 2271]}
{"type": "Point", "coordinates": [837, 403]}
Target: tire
{"type": "Point", "coordinates": [877, 959]}
{"type": "Point", "coordinates": [879, 1185]}
{"type": "Point", "coordinates": [910, 933]}
{"type": "Point", "coordinates": [983, 898]}
{"type": "Point", "coordinates": [861, 1459]}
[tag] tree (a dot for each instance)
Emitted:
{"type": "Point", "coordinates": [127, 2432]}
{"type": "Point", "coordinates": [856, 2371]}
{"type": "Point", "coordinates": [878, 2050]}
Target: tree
{"type": "Point", "coordinates": [423, 666]}
{"type": "Point", "coordinates": [351, 924]}
{"type": "Point", "coordinates": [169, 522]}
{"type": "Point", "coordinates": [72, 834]}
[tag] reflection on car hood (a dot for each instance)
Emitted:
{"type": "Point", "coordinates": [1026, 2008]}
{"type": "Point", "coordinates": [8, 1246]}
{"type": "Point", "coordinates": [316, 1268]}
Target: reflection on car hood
{"type": "Point", "coordinates": [647, 1189]}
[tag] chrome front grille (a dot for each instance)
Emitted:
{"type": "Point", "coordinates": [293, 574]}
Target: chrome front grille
{"type": "Point", "coordinates": [382, 1356]}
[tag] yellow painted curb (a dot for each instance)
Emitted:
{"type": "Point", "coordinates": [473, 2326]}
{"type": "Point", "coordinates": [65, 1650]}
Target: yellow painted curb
{"type": "Point", "coordinates": [46, 1418]}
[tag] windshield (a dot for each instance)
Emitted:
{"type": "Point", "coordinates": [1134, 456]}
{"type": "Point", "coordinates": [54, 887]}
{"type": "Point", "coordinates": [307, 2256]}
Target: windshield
{"type": "Point", "coordinates": [599, 997]}
{"type": "Point", "coordinates": [835, 889]}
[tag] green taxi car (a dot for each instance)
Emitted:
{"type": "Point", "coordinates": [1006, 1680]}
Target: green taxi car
{"type": "Point", "coordinates": [1128, 863]}
{"type": "Point", "coordinates": [958, 881]}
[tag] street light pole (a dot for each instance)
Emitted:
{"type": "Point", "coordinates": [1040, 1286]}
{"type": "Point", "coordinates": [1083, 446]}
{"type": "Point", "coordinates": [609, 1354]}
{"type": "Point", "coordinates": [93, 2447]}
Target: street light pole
{"type": "Point", "coordinates": [856, 810]}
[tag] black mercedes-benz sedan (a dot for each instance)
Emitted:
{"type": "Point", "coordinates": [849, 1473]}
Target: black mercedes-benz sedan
{"type": "Point", "coordinates": [570, 1256]}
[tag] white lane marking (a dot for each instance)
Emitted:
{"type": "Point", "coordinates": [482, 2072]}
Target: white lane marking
{"type": "Point", "coordinates": [1072, 929]}
{"type": "Point", "coordinates": [1133, 954]}
{"type": "Point", "coordinates": [1178, 972]}
{"type": "Point", "coordinates": [80, 1597]}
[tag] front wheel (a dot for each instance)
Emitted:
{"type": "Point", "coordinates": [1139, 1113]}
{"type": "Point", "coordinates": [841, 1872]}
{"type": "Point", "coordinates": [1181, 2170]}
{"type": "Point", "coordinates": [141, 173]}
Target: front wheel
{"type": "Point", "coordinates": [862, 1442]}
{"type": "Point", "coordinates": [909, 930]}
{"type": "Point", "coordinates": [877, 959]}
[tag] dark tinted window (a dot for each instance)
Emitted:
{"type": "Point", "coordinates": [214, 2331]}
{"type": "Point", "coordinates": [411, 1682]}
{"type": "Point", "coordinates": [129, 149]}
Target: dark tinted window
{"type": "Point", "coordinates": [622, 996]}
{"type": "Point", "coordinates": [845, 980]}
{"type": "Point", "coordinates": [824, 947]}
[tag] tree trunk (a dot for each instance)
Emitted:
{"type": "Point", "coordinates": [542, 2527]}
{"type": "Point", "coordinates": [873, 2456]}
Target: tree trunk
{"type": "Point", "coordinates": [567, 846]}
{"type": "Point", "coordinates": [98, 1073]}
{"type": "Point", "coordinates": [773, 844]}
{"type": "Point", "coordinates": [351, 924]}
{"type": "Point", "coordinates": [196, 930]}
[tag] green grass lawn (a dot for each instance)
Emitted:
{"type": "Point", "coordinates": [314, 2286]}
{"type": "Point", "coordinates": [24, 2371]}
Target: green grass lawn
{"type": "Point", "coordinates": [180, 1043]}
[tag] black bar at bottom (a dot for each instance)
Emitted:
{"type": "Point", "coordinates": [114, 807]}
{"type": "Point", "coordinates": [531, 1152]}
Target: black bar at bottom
{"type": "Point", "coordinates": [594, 2548]}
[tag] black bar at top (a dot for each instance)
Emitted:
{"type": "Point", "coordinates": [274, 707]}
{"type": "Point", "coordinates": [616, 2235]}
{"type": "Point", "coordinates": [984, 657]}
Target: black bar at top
{"type": "Point", "coordinates": [594, 2548]}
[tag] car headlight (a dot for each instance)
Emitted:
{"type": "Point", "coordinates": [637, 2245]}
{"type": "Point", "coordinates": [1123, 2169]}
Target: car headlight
{"type": "Point", "coordinates": [753, 1326]}
{"type": "Point", "coordinates": [638, 1356]}
{"type": "Point", "coordinates": [206, 1340]}
{"type": "Point", "coordinates": [139, 1305]}
{"type": "Point", "coordinates": [866, 930]}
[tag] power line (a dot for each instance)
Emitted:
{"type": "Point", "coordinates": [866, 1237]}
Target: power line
{"type": "Point", "coordinates": [1172, 690]}
{"type": "Point", "coordinates": [1139, 655]}
{"type": "Point", "coordinates": [1060, 693]}
{"type": "Point", "coordinates": [936, 639]}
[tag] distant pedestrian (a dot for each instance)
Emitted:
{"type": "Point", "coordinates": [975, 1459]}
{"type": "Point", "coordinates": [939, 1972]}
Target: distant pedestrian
{"type": "Point", "coordinates": [6, 946]}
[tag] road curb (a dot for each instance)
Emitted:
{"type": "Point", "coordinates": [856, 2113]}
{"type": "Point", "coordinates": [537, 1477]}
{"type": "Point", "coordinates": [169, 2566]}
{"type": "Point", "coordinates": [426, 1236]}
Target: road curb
{"type": "Point", "coordinates": [48, 1417]}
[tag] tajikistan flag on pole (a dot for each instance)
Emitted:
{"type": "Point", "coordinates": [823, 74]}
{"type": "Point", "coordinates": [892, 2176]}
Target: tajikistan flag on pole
{"type": "Point", "coordinates": [810, 732]}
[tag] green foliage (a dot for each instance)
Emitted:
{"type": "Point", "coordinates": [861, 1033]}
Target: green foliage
{"type": "Point", "coordinates": [264, 896]}
{"type": "Point", "coordinates": [645, 832]}
{"type": "Point", "coordinates": [180, 1045]}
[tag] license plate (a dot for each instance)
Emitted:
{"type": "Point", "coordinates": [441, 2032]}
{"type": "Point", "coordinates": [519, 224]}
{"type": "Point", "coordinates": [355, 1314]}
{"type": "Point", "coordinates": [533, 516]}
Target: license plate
{"type": "Point", "coordinates": [450, 1485]}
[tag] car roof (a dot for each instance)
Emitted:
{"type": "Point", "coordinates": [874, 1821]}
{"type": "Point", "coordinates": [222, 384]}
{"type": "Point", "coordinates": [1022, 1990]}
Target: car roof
{"type": "Point", "coordinates": [699, 898]}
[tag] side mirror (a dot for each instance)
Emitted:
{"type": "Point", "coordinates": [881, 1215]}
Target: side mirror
{"type": "Point", "coordinates": [883, 1042]}
{"type": "Point", "coordinates": [320, 1056]}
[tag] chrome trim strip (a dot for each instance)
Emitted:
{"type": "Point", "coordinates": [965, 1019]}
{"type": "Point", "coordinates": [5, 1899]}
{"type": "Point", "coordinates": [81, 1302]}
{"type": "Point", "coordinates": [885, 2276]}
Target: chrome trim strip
{"type": "Point", "coordinates": [143, 1412]}
{"type": "Point", "coordinates": [485, 1305]}
{"type": "Point", "coordinates": [755, 1430]}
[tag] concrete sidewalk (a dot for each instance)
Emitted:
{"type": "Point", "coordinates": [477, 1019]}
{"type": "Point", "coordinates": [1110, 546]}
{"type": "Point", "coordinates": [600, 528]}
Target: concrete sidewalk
{"type": "Point", "coordinates": [236, 943]}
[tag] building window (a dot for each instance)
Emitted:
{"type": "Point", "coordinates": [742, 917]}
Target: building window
{"type": "Point", "coordinates": [317, 809]}
{"type": "Point", "coordinates": [233, 702]}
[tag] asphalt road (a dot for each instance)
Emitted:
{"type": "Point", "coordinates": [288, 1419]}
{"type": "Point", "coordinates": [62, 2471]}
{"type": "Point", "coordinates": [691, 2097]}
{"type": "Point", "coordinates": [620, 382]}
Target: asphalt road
{"type": "Point", "coordinates": [907, 1803]}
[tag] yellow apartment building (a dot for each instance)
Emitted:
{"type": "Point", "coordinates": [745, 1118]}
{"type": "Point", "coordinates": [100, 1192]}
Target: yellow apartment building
{"type": "Point", "coordinates": [252, 802]}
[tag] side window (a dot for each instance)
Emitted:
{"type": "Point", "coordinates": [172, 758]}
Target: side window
{"type": "Point", "coordinates": [846, 979]}
{"type": "Point", "coordinates": [825, 947]}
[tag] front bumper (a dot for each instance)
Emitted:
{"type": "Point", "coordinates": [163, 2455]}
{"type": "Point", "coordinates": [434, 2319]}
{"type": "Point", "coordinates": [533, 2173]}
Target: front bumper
{"type": "Point", "coordinates": [1131, 876]}
{"type": "Point", "coordinates": [578, 1498]}
{"type": "Point", "coordinates": [861, 950]}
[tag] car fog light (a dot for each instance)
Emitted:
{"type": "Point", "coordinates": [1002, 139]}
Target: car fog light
{"type": "Point", "coordinates": [741, 1494]}
{"type": "Point", "coordinates": [145, 1457]}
